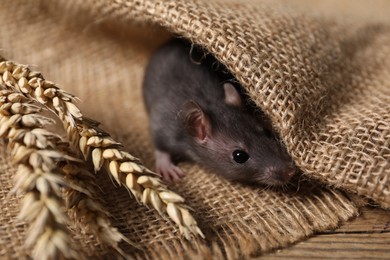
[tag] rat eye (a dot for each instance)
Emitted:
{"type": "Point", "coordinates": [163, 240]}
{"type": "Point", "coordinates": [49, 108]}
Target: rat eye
{"type": "Point", "coordinates": [240, 156]}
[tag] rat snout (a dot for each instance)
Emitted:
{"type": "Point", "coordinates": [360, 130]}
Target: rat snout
{"type": "Point", "coordinates": [279, 175]}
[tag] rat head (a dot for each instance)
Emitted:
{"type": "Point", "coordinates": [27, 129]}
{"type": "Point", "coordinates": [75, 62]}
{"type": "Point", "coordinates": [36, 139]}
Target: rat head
{"type": "Point", "coordinates": [236, 143]}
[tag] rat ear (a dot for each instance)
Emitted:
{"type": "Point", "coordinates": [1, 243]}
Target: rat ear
{"type": "Point", "coordinates": [195, 120]}
{"type": "Point", "coordinates": [232, 97]}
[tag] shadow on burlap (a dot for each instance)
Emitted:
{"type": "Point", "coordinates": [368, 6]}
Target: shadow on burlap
{"type": "Point", "coordinates": [324, 80]}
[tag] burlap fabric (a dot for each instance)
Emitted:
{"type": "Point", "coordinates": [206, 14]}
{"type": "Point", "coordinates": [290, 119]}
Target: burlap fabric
{"type": "Point", "coordinates": [320, 71]}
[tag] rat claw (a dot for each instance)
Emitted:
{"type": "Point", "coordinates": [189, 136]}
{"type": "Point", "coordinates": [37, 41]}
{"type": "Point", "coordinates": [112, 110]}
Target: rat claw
{"type": "Point", "coordinates": [177, 174]}
{"type": "Point", "coordinates": [172, 172]}
{"type": "Point", "coordinates": [178, 171]}
{"type": "Point", "coordinates": [165, 176]}
{"type": "Point", "coordinates": [175, 179]}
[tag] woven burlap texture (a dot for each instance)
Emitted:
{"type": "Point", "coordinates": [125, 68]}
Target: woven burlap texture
{"type": "Point", "coordinates": [322, 78]}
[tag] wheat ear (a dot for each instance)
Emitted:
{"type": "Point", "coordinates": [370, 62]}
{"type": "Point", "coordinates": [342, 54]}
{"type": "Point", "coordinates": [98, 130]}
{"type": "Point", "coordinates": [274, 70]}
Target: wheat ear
{"type": "Point", "coordinates": [38, 178]}
{"type": "Point", "coordinates": [92, 141]}
{"type": "Point", "coordinates": [85, 207]}
{"type": "Point", "coordinates": [127, 170]}
{"type": "Point", "coordinates": [83, 203]}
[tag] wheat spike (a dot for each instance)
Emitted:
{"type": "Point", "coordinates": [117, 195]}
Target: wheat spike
{"type": "Point", "coordinates": [86, 209]}
{"type": "Point", "coordinates": [145, 185]}
{"type": "Point", "coordinates": [37, 177]}
{"type": "Point", "coordinates": [85, 134]}
{"type": "Point", "coordinates": [79, 189]}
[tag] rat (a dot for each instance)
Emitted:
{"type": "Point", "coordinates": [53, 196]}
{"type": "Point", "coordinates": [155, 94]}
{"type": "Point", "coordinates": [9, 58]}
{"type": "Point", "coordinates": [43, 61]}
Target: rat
{"type": "Point", "coordinates": [198, 112]}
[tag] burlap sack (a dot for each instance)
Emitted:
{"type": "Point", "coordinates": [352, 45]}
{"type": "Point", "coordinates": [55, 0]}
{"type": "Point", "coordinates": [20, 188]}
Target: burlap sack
{"type": "Point", "coordinates": [320, 71]}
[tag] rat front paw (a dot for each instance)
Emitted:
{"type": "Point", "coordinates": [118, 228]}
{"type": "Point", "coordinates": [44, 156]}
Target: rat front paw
{"type": "Point", "coordinates": [169, 172]}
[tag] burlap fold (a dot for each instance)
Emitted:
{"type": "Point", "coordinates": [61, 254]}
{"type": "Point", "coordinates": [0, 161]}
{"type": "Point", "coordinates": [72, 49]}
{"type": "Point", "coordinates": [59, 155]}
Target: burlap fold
{"type": "Point", "coordinates": [323, 77]}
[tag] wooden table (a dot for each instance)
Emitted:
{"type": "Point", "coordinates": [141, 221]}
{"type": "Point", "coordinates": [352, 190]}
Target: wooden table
{"type": "Point", "coordinates": [366, 237]}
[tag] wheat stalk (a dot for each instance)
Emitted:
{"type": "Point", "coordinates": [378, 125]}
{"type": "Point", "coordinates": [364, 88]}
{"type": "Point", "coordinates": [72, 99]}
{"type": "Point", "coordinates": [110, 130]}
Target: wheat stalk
{"type": "Point", "coordinates": [93, 142]}
{"type": "Point", "coordinates": [38, 178]}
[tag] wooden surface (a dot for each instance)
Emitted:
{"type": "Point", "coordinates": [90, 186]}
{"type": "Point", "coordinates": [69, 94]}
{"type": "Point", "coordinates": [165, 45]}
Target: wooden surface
{"type": "Point", "coordinates": [366, 237]}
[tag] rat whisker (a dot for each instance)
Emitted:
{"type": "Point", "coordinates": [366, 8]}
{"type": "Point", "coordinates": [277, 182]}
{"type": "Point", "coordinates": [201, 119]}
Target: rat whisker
{"type": "Point", "coordinates": [300, 179]}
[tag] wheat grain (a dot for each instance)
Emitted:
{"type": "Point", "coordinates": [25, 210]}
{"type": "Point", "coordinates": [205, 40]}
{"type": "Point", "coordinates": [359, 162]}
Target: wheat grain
{"type": "Point", "coordinates": [171, 197]}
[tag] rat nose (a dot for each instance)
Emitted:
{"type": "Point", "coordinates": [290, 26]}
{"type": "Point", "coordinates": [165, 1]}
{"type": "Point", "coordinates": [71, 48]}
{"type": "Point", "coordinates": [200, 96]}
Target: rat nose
{"type": "Point", "coordinates": [288, 173]}
{"type": "Point", "coordinates": [280, 175]}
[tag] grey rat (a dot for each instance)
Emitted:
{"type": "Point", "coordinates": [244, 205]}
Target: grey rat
{"type": "Point", "coordinates": [198, 113]}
